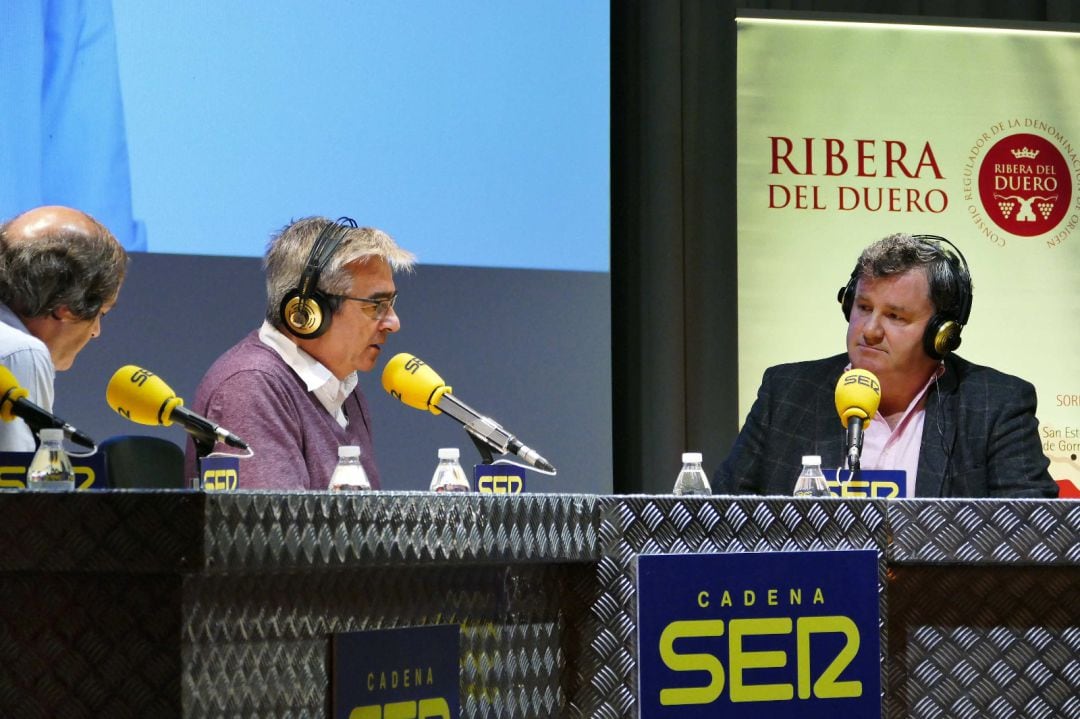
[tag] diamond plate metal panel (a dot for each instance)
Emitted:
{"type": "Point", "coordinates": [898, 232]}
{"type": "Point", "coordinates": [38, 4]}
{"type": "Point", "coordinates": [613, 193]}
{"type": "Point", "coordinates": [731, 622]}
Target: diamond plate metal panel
{"type": "Point", "coordinates": [90, 645]}
{"type": "Point", "coordinates": [99, 531]}
{"type": "Point", "coordinates": [984, 531]}
{"type": "Point", "coordinates": [512, 571]}
{"type": "Point", "coordinates": [264, 531]}
{"type": "Point", "coordinates": [984, 642]}
{"type": "Point", "coordinates": [163, 603]}
{"type": "Point", "coordinates": [259, 645]}
{"type": "Point", "coordinates": [253, 586]}
{"type": "Point", "coordinates": [90, 601]}
{"type": "Point", "coordinates": [656, 525]}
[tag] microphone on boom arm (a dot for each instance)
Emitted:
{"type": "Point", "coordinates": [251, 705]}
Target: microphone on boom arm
{"type": "Point", "coordinates": [412, 381]}
{"type": "Point", "coordinates": [143, 397]}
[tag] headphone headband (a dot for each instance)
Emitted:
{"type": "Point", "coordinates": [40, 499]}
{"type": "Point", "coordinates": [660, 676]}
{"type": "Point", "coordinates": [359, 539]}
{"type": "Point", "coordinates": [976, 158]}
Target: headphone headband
{"type": "Point", "coordinates": [322, 250]}
{"type": "Point", "coordinates": [305, 311]}
{"type": "Point", "coordinates": [965, 286]}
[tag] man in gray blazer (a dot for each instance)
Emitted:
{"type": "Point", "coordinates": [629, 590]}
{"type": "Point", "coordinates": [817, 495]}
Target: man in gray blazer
{"type": "Point", "coordinates": [956, 428]}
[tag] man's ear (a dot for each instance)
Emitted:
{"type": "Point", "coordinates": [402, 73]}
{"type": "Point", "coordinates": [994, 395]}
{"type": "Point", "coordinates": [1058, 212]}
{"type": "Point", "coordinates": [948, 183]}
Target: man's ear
{"type": "Point", "coordinates": [64, 313]}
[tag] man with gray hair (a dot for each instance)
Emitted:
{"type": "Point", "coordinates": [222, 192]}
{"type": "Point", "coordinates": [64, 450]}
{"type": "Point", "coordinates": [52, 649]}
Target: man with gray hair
{"type": "Point", "coordinates": [957, 429]}
{"type": "Point", "coordinates": [60, 273]}
{"type": "Point", "coordinates": [290, 388]}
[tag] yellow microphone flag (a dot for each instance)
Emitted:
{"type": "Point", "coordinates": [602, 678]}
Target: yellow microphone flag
{"type": "Point", "coordinates": [141, 396]}
{"type": "Point", "coordinates": [411, 380]}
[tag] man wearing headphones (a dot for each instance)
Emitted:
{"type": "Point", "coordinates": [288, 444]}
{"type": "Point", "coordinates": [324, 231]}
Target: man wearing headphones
{"type": "Point", "coordinates": [290, 388]}
{"type": "Point", "coordinates": [957, 429]}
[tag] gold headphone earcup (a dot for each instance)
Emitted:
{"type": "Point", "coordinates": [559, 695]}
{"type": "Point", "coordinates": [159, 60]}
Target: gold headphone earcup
{"type": "Point", "coordinates": [303, 318]}
{"type": "Point", "coordinates": [943, 339]}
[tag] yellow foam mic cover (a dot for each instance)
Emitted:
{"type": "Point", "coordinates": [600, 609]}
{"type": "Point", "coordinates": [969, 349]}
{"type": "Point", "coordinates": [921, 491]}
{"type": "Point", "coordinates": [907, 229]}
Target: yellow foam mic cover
{"type": "Point", "coordinates": [858, 394]}
{"type": "Point", "coordinates": [10, 393]}
{"type": "Point", "coordinates": [412, 381]}
{"type": "Point", "coordinates": [141, 396]}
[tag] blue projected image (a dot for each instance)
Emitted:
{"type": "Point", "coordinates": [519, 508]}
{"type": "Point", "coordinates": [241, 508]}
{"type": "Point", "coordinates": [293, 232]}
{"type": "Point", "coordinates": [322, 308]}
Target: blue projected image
{"type": "Point", "coordinates": [476, 133]}
{"type": "Point", "coordinates": [62, 139]}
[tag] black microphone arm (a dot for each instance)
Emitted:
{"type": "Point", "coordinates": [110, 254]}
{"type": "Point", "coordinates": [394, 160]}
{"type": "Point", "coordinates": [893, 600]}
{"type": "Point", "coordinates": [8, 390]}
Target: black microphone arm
{"type": "Point", "coordinates": [490, 432]}
{"type": "Point", "coordinates": [204, 429]}
{"type": "Point", "coordinates": [38, 419]}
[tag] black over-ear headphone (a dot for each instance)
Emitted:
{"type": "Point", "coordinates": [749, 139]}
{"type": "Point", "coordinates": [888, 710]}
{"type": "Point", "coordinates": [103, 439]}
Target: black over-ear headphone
{"type": "Point", "coordinates": [942, 334]}
{"type": "Point", "coordinates": [305, 310]}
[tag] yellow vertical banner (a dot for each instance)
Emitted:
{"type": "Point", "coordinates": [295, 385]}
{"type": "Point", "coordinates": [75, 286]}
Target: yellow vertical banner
{"type": "Point", "coordinates": [851, 131]}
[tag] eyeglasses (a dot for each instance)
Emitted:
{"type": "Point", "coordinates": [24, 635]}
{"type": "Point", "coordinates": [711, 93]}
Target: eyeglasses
{"type": "Point", "coordinates": [377, 307]}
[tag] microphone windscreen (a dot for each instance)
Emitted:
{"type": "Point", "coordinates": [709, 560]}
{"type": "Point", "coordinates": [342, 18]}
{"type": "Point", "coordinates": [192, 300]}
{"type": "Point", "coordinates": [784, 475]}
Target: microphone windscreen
{"type": "Point", "coordinates": [141, 396]}
{"type": "Point", "coordinates": [412, 381]}
{"type": "Point", "coordinates": [10, 392]}
{"type": "Point", "coordinates": [858, 394]}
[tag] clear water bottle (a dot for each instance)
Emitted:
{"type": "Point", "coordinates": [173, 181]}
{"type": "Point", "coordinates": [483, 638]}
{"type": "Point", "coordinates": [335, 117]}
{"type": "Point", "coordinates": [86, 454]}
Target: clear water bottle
{"type": "Point", "coordinates": [692, 479]}
{"type": "Point", "coordinates": [50, 469]}
{"type": "Point", "coordinates": [449, 476]}
{"type": "Point", "coordinates": [349, 474]}
{"type": "Point", "coordinates": [811, 482]}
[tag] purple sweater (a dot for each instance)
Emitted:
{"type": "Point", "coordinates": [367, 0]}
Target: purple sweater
{"type": "Point", "coordinates": [251, 392]}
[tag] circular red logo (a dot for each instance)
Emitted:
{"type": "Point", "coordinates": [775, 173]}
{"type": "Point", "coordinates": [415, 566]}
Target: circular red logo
{"type": "Point", "coordinates": [1024, 185]}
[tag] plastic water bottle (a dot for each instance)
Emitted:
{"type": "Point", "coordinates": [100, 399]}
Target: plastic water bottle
{"type": "Point", "coordinates": [349, 474]}
{"type": "Point", "coordinates": [692, 479]}
{"type": "Point", "coordinates": [811, 482]}
{"type": "Point", "coordinates": [50, 469]}
{"type": "Point", "coordinates": [449, 476]}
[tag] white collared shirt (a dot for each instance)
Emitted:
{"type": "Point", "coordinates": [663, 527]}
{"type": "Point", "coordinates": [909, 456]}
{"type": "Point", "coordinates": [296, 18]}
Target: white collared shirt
{"type": "Point", "coordinates": [31, 364]}
{"type": "Point", "coordinates": [328, 389]}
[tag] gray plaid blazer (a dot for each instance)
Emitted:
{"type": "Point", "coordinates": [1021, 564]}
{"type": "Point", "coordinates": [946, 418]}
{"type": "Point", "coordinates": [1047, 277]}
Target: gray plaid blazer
{"type": "Point", "coordinates": [980, 436]}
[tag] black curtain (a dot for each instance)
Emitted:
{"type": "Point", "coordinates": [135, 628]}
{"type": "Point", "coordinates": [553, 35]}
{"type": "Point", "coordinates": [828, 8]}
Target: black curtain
{"type": "Point", "coordinates": [673, 223]}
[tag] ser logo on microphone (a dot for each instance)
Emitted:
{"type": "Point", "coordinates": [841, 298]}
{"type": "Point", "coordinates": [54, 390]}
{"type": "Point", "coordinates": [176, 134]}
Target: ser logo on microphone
{"type": "Point", "coordinates": [140, 376]}
{"type": "Point", "coordinates": [863, 379]}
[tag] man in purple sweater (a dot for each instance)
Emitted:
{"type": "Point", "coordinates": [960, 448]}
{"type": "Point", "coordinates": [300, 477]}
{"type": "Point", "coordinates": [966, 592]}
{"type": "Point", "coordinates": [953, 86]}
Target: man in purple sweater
{"type": "Point", "coordinates": [290, 388]}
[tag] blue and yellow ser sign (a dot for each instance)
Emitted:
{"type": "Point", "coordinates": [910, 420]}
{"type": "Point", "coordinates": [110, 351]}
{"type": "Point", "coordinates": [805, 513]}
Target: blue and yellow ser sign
{"type": "Point", "coordinates": [218, 474]}
{"type": "Point", "coordinates": [498, 479]}
{"type": "Point", "coordinates": [402, 673]}
{"type": "Point", "coordinates": [869, 484]}
{"type": "Point", "coordinates": [777, 634]}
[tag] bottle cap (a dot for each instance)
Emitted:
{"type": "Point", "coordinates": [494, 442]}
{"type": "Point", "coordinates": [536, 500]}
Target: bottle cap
{"type": "Point", "coordinates": [812, 459]}
{"type": "Point", "coordinates": [56, 435]}
{"type": "Point", "coordinates": [449, 453]}
{"type": "Point", "coordinates": [348, 450]}
{"type": "Point", "coordinates": [691, 458]}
